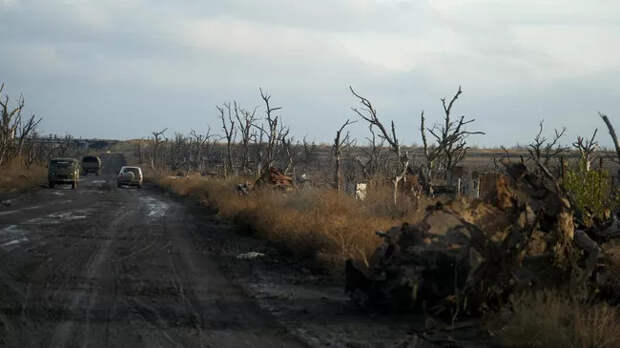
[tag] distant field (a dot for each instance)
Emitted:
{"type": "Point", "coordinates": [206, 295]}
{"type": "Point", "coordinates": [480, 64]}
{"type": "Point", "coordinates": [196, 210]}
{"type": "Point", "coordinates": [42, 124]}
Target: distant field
{"type": "Point", "coordinates": [482, 160]}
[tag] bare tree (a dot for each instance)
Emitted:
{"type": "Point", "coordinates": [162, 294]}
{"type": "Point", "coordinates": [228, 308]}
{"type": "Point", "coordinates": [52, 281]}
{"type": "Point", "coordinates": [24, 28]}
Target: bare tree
{"type": "Point", "coordinates": [612, 133]}
{"type": "Point", "coordinates": [33, 150]}
{"type": "Point", "coordinates": [374, 155]}
{"type": "Point", "coordinates": [200, 146]}
{"type": "Point", "coordinates": [542, 149]}
{"type": "Point", "coordinates": [587, 149]}
{"type": "Point", "coordinates": [340, 142]}
{"type": "Point", "coordinates": [245, 122]}
{"type": "Point", "coordinates": [228, 125]}
{"type": "Point", "coordinates": [179, 153]}
{"type": "Point", "coordinates": [450, 136]}
{"type": "Point", "coordinates": [369, 114]}
{"type": "Point", "coordinates": [13, 129]}
{"type": "Point", "coordinates": [257, 136]}
{"type": "Point", "coordinates": [273, 132]}
{"type": "Point", "coordinates": [431, 155]}
{"type": "Point", "coordinates": [289, 151]}
{"type": "Point", "coordinates": [156, 153]}
{"type": "Point", "coordinates": [25, 130]}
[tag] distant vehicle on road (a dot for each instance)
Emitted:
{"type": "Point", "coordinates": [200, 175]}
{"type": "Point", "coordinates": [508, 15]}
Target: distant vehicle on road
{"type": "Point", "coordinates": [91, 164]}
{"type": "Point", "coordinates": [129, 176]}
{"type": "Point", "coordinates": [63, 171]}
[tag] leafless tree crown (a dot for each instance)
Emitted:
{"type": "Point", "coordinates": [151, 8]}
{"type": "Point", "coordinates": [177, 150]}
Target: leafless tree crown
{"type": "Point", "coordinates": [450, 136]}
{"type": "Point", "coordinates": [369, 114]}
{"type": "Point", "coordinates": [543, 149]}
{"type": "Point", "coordinates": [341, 142]}
{"type": "Point", "coordinates": [587, 149]}
{"type": "Point", "coordinates": [14, 130]}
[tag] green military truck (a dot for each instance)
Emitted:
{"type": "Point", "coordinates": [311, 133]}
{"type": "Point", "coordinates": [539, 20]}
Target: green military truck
{"type": "Point", "coordinates": [63, 171]}
{"type": "Point", "coordinates": [91, 164]}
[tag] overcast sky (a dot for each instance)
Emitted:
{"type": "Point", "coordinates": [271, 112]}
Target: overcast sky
{"type": "Point", "coordinates": [123, 68]}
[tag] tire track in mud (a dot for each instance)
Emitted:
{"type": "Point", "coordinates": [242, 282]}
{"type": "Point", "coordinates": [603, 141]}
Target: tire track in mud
{"type": "Point", "coordinates": [132, 272]}
{"type": "Point", "coordinates": [43, 277]}
{"type": "Point", "coordinates": [155, 317]}
{"type": "Point", "coordinates": [94, 268]}
{"type": "Point", "coordinates": [123, 265]}
{"type": "Point", "coordinates": [83, 263]}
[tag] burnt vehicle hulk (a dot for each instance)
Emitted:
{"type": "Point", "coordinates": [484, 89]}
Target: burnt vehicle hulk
{"type": "Point", "coordinates": [63, 171]}
{"type": "Point", "coordinates": [91, 164]}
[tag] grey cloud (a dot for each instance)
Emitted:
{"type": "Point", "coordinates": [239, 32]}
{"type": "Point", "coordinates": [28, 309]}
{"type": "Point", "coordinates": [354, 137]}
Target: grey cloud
{"type": "Point", "coordinates": [86, 68]}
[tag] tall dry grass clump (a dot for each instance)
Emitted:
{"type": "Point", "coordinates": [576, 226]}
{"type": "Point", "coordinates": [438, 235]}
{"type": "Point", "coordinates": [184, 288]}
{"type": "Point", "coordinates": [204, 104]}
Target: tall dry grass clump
{"type": "Point", "coordinates": [553, 319]}
{"type": "Point", "coordinates": [15, 176]}
{"type": "Point", "coordinates": [316, 223]}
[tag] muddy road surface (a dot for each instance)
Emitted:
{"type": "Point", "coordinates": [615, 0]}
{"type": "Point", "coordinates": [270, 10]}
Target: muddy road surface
{"type": "Point", "coordinates": [107, 267]}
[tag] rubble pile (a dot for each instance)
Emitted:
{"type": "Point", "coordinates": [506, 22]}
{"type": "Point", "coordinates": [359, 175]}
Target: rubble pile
{"type": "Point", "coordinates": [466, 258]}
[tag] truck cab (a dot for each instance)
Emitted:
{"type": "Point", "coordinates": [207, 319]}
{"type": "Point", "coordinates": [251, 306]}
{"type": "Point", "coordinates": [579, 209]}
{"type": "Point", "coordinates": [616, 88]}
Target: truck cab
{"type": "Point", "coordinates": [63, 171]}
{"type": "Point", "coordinates": [91, 164]}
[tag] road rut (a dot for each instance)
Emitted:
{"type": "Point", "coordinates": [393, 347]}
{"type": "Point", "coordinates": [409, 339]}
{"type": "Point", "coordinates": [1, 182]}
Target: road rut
{"type": "Point", "coordinates": [101, 267]}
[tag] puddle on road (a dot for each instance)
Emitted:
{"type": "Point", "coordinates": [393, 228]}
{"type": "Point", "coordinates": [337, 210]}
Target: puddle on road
{"type": "Point", "coordinates": [98, 181]}
{"type": "Point", "coordinates": [11, 236]}
{"type": "Point", "coordinates": [14, 235]}
{"type": "Point", "coordinates": [20, 210]}
{"type": "Point", "coordinates": [69, 216]}
{"type": "Point", "coordinates": [15, 242]}
{"type": "Point", "coordinates": [57, 218]}
{"type": "Point", "coordinates": [34, 207]}
{"type": "Point", "coordinates": [154, 207]}
{"type": "Point", "coordinates": [12, 229]}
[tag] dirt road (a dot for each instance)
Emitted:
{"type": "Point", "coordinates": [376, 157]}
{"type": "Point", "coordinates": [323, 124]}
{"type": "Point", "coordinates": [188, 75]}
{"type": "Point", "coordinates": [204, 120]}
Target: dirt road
{"type": "Point", "coordinates": [101, 267]}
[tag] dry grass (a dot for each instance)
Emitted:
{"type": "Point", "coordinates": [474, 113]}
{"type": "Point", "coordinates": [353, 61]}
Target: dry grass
{"type": "Point", "coordinates": [15, 177]}
{"type": "Point", "coordinates": [551, 319]}
{"type": "Point", "coordinates": [320, 224]}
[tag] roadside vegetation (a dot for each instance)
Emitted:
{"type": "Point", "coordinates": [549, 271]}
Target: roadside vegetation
{"type": "Point", "coordinates": [15, 176]}
{"type": "Point", "coordinates": [319, 225]}
{"type": "Point", "coordinates": [554, 319]}
{"type": "Point", "coordinates": [19, 166]}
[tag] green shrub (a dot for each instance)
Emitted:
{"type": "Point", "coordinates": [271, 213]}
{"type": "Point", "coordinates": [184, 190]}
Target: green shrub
{"type": "Point", "coordinates": [591, 191]}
